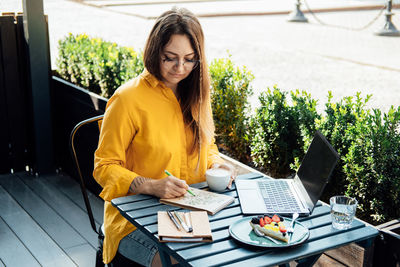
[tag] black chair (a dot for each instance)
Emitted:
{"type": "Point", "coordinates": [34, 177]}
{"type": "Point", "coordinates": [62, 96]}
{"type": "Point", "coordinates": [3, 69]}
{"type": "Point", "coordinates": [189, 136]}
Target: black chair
{"type": "Point", "coordinates": [83, 141]}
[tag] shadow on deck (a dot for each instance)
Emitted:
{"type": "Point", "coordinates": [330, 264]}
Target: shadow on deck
{"type": "Point", "coordinates": [43, 221]}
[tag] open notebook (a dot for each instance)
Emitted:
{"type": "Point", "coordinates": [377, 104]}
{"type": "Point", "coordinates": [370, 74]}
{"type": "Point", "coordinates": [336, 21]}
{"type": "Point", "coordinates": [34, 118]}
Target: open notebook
{"type": "Point", "coordinates": [203, 200]}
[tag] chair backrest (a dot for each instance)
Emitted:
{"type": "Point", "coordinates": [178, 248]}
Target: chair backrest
{"type": "Point", "coordinates": [83, 142]}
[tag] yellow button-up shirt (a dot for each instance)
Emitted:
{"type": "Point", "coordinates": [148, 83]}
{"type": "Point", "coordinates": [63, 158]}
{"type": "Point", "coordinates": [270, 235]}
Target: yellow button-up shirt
{"type": "Point", "coordinates": [142, 134]}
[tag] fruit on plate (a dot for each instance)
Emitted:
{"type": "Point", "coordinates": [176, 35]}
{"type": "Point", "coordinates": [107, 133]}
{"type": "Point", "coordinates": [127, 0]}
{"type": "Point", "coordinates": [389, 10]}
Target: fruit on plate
{"type": "Point", "coordinates": [272, 226]}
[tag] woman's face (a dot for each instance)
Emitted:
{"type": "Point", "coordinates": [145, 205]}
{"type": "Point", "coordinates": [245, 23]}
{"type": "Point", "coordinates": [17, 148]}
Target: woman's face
{"type": "Point", "coordinates": [177, 60]}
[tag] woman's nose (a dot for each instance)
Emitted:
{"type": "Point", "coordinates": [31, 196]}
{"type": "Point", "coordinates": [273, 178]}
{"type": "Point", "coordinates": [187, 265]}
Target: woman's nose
{"type": "Point", "coordinates": [180, 64]}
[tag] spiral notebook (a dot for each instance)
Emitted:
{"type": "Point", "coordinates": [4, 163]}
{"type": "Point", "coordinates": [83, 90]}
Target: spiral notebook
{"type": "Point", "coordinates": [203, 200]}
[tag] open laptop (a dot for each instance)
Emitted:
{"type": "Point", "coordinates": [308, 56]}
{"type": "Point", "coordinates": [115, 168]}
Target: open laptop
{"type": "Point", "coordinates": [288, 196]}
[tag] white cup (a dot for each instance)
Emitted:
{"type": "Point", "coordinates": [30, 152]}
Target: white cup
{"type": "Point", "coordinates": [218, 179]}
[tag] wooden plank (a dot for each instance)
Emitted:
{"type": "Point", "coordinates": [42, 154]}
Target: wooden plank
{"type": "Point", "coordinates": [217, 237]}
{"type": "Point", "coordinates": [82, 255]}
{"type": "Point", "coordinates": [15, 100]}
{"type": "Point", "coordinates": [71, 189]}
{"type": "Point", "coordinates": [23, 63]}
{"type": "Point", "coordinates": [139, 205]}
{"type": "Point", "coordinates": [350, 255]}
{"type": "Point", "coordinates": [208, 249]}
{"type": "Point", "coordinates": [71, 213]}
{"type": "Point", "coordinates": [48, 219]}
{"type": "Point", "coordinates": [325, 260]}
{"type": "Point", "coordinates": [42, 247]}
{"type": "Point", "coordinates": [389, 224]}
{"type": "Point", "coordinates": [240, 167]}
{"type": "Point", "coordinates": [39, 67]}
{"type": "Point", "coordinates": [129, 199]}
{"type": "Point", "coordinates": [149, 211]}
{"type": "Point", "coordinates": [12, 251]}
{"type": "Point", "coordinates": [5, 165]}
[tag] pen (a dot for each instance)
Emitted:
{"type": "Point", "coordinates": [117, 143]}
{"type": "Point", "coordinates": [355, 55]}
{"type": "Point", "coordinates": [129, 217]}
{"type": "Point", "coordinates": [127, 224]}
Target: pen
{"type": "Point", "coordinates": [173, 219]}
{"type": "Point", "coordinates": [169, 174]}
{"type": "Point", "coordinates": [181, 221]}
{"type": "Point", "coordinates": [189, 224]}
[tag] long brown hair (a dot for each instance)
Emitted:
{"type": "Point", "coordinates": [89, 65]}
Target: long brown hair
{"type": "Point", "coordinates": [194, 91]}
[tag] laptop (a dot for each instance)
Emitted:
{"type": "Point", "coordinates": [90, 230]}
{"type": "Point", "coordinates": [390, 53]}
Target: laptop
{"type": "Point", "coordinates": [288, 196]}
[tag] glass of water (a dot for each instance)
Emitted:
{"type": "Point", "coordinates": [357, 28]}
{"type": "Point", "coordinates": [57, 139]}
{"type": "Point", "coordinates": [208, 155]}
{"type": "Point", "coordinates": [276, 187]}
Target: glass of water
{"type": "Point", "coordinates": [343, 210]}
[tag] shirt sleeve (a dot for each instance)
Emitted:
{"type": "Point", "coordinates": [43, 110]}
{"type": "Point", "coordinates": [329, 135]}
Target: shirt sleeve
{"type": "Point", "coordinates": [116, 134]}
{"type": "Point", "coordinates": [213, 154]}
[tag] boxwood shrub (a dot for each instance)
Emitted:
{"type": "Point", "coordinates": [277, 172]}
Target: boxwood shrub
{"type": "Point", "coordinates": [372, 166]}
{"type": "Point", "coordinates": [279, 130]}
{"type": "Point", "coordinates": [95, 64]}
{"type": "Point", "coordinates": [338, 127]}
{"type": "Point", "coordinates": [231, 90]}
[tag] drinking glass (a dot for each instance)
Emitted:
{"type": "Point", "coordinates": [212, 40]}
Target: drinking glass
{"type": "Point", "coordinates": [343, 210]}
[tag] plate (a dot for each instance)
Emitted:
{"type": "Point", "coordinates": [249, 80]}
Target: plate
{"type": "Point", "coordinates": [241, 231]}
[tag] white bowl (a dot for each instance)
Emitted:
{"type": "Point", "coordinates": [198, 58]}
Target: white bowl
{"type": "Point", "coordinates": [218, 179]}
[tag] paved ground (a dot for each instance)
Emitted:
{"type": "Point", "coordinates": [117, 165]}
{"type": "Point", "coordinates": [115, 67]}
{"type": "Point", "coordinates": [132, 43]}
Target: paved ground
{"type": "Point", "coordinates": [307, 56]}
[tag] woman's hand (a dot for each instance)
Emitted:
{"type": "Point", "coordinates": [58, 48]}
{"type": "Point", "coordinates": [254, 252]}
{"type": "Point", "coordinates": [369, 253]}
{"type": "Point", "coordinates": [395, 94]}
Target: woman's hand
{"type": "Point", "coordinates": [229, 167]}
{"type": "Point", "coordinates": [168, 187]}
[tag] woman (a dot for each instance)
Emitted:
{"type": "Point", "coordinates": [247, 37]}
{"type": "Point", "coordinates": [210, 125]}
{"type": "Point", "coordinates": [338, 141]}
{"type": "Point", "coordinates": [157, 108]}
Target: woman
{"type": "Point", "coordinates": [158, 121]}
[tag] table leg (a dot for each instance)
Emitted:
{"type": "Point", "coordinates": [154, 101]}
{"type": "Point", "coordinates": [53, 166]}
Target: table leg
{"type": "Point", "coordinates": [366, 243]}
{"type": "Point", "coordinates": [165, 258]}
{"type": "Point", "coordinates": [309, 261]}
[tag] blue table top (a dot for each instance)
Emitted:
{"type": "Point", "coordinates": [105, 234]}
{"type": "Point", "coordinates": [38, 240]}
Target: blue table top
{"type": "Point", "coordinates": [141, 210]}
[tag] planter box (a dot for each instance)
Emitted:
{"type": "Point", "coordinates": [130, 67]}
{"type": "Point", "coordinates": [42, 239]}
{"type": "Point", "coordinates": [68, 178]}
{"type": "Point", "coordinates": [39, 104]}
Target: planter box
{"type": "Point", "coordinates": [72, 104]}
{"type": "Point", "coordinates": [387, 245]}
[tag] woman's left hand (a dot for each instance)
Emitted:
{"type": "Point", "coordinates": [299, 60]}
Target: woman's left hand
{"type": "Point", "coordinates": [229, 167]}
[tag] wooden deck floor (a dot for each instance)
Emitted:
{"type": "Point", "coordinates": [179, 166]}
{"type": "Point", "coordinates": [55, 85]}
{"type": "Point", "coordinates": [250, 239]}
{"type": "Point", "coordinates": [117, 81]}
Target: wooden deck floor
{"type": "Point", "coordinates": [43, 222]}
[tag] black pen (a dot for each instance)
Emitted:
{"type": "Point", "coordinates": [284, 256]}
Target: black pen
{"type": "Point", "coordinates": [173, 220]}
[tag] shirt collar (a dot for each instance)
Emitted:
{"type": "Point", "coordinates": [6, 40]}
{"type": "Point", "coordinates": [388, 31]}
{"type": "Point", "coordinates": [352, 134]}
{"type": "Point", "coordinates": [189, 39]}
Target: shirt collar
{"type": "Point", "coordinates": [151, 79]}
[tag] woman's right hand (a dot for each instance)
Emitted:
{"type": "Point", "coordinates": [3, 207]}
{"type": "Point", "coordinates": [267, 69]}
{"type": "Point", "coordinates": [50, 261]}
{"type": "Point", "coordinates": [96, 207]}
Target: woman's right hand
{"type": "Point", "coordinates": [168, 187]}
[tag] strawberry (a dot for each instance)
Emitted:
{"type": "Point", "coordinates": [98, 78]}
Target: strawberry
{"type": "Point", "coordinates": [282, 229]}
{"type": "Point", "coordinates": [267, 220]}
{"type": "Point", "coordinates": [275, 218]}
{"type": "Point", "coordinates": [262, 223]}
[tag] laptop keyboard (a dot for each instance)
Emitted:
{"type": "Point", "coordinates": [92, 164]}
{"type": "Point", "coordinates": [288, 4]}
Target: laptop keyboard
{"type": "Point", "coordinates": [278, 197]}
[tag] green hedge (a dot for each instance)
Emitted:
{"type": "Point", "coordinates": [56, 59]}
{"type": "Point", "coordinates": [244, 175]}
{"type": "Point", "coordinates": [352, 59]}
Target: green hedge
{"type": "Point", "coordinates": [338, 126]}
{"type": "Point", "coordinates": [368, 142]}
{"type": "Point", "coordinates": [276, 136]}
{"type": "Point", "coordinates": [95, 64]}
{"type": "Point", "coordinates": [372, 165]}
{"type": "Point", "coordinates": [231, 90]}
{"type": "Point", "coordinates": [279, 130]}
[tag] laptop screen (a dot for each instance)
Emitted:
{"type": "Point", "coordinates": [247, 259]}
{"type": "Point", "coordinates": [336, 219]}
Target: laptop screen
{"type": "Point", "coordinates": [317, 166]}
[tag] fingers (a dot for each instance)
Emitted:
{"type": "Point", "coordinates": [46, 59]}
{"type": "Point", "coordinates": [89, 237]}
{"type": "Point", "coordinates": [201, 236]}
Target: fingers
{"type": "Point", "coordinates": [179, 182]}
{"type": "Point", "coordinates": [172, 187]}
{"type": "Point", "coordinates": [228, 167]}
{"type": "Point", "coordinates": [230, 182]}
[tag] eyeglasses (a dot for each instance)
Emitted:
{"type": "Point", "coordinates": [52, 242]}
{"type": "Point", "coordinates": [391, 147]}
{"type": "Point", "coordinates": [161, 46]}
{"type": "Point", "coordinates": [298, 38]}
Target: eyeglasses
{"type": "Point", "coordinates": [188, 64]}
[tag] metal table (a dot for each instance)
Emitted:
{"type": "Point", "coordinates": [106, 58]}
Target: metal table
{"type": "Point", "coordinates": [141, 210]}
